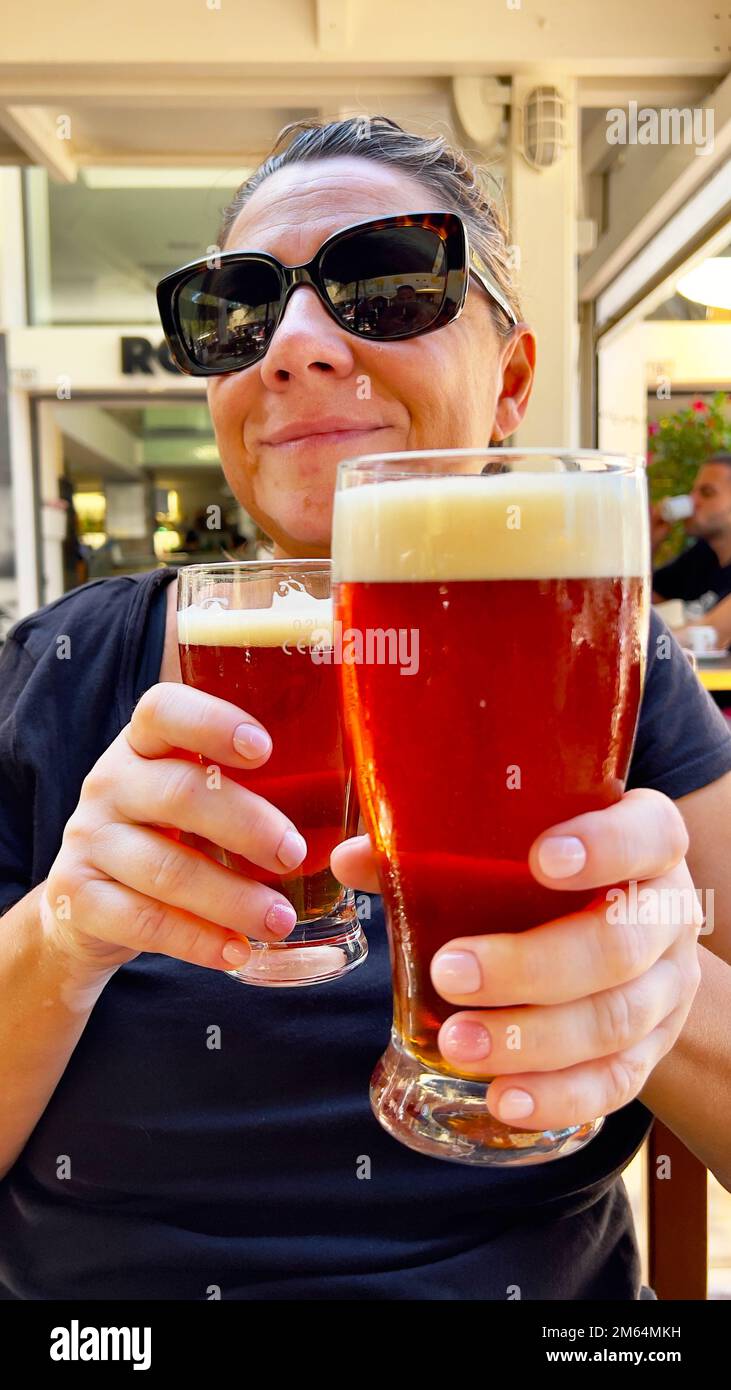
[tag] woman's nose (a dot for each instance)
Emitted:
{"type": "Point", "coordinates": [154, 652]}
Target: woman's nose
{"type": "Point", "coordinates": [306, 340]}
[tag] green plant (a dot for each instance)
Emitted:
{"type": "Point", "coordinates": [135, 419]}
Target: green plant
{"type": "Point", "coordinates": [677, 446]}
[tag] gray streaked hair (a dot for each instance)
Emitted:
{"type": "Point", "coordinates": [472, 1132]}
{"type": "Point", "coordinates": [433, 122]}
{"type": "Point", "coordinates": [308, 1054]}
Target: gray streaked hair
{"type": "Point", "coordinates": [442, 168]}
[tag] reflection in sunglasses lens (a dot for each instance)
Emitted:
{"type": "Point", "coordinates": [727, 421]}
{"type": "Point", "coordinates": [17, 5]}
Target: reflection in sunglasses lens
{"type": "Point", "coordinates": [227, 314]}
{"type": "Point", "coordinates": [386, 282]}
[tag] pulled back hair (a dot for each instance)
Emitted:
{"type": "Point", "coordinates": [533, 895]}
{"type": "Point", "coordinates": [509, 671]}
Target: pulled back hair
{"type": "Point", "coordinates": [446, 171]}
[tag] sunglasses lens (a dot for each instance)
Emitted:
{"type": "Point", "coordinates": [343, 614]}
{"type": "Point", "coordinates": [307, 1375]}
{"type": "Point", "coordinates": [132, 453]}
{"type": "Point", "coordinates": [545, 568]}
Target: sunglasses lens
{"type": "Point", "coordinates": [227, 315]}
{"type": "Point", "coordinates": [388, 282]}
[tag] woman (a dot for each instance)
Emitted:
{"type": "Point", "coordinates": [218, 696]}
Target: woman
{"type": "Point", "coordinates": [167, 1135]}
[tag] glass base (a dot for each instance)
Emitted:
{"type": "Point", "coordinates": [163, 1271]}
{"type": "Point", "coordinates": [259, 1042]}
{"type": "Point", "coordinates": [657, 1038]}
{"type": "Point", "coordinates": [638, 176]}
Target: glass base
{"type": "Point", "coordinates": [447, 1117]}
{"type": "Point", "coordinates": [316, 951]}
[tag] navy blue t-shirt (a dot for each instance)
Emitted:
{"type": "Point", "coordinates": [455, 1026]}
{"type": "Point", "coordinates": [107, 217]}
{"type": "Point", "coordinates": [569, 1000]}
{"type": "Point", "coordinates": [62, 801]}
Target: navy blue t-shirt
{"type": "Point", "coordinates": [693, 574]}
{"type": "Point", "coordinates": [243, 1168]}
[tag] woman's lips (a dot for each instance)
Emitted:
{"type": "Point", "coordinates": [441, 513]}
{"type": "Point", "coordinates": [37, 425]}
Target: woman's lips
{"type": "Point", "coordinates": [320, 441]}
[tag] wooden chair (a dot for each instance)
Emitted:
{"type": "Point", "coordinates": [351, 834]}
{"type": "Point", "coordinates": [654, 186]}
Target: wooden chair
{"type": "Point", "coordinates": [677, 1219]}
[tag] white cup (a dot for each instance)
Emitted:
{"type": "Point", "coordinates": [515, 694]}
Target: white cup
{"type": "Point", "coordinates": [701, 639]}
{"type": "Point", "coordinates": [676, 508]}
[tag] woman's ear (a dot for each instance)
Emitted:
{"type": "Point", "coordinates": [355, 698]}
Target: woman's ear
{"type": "Point", "coordinates": [517, 366]}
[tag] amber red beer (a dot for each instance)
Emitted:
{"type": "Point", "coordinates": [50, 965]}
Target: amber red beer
{"type": "Point", "coordinates": [259, 667]}
{"type": "Point", "coordinates": [260, 658]}
{"type": "Point", "coordinates": [521, 713]}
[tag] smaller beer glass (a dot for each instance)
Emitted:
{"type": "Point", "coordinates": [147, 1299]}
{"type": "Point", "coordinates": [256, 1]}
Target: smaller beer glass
{"type": "Point", "coordinates": [259, 634]}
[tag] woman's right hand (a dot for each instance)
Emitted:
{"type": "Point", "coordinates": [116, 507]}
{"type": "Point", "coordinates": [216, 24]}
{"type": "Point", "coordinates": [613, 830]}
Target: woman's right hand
{"type": "Point", "coordinates": [121, 885]}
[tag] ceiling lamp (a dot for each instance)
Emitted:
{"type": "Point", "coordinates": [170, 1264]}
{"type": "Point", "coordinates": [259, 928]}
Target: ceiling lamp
{"type": "Point", "coordinates": [708, 283]}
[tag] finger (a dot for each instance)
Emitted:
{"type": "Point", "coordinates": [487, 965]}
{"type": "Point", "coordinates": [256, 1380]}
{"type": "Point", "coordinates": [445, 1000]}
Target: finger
{"type": "Point", "coordinates": [123, 917]}
{"type": "Point", "coordinates": [641, 836]}
{"type": "Point", "coordinates": [557, 1036]}
{"type": "Point", "coordinates": [185, 878]}
{"type": "Point", "coordinates": [171, 716]}
{"type": "Point", "coordinates": [580, 1094]}
{"type": "Point", "coordinates": [354, 864]}
{"type": "Point", "coordinates": [606, 944]}
{"type": "Point", "coordinates": [167, 791]}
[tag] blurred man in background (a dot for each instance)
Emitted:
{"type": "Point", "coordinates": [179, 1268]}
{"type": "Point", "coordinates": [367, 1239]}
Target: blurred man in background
{"type": "Point", "coordinates": [703, 571]}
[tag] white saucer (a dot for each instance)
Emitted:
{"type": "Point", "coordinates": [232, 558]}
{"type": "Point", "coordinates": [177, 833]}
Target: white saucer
{"type": "Point", "coordinates": [711, 656]}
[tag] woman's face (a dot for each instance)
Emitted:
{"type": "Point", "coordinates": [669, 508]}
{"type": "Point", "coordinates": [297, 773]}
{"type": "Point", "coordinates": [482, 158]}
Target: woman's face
{"type": "Point", "coordinates": [457, 387]}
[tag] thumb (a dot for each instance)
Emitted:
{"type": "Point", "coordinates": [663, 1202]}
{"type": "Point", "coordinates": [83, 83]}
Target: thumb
{"type": "Point", "coordinates": [354, 864]}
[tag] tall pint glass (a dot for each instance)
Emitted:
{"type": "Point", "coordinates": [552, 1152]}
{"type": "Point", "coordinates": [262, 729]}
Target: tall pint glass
{"type": "Point", "coordinates": [259, 634]}
{"type": "Point", "coordinates": [492, 608]}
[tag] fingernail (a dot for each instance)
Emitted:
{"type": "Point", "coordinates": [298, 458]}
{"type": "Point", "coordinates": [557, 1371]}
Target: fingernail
{"type": "Point", "coordinates": [560, 856]}
{"type": "Point", "coordinates": [292, 849]}
{"type": "Point", "coordinates": [236, 953]}
{"type": "Point", "coordinates": [515, 1105]}
{"type": "Point", "coordinates": [466, 1038]}
{"type": "Point", "coordinates": [280, 918]}
{"type": "Point", "coordinates": [251, 741]}
{"type": "Point", "coordinates": [456, 972]}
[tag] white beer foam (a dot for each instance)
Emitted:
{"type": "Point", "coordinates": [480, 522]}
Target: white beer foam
{"type": "Point", "coordinates": [503, 526]}
{"type": "Point", "coordinates": [295, 617]}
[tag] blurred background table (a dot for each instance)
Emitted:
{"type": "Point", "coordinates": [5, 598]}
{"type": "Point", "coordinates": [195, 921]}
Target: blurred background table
{"type": "Point", "coordinates": [715, 675]}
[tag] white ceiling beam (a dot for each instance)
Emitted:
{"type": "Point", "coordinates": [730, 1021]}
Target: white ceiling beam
{"type": "Point", "coordinates": [169, 159]}
{"type": "Point", "coordinates": [603, 92]}
{"type": "Point", "coordinates": [569, 35]}
{"type": "Point", "coordinates": [36, 132]}
{"type": "Point", "coordinates": [108, 88]}
{"type": "Point", "coordinates": [647, 192]}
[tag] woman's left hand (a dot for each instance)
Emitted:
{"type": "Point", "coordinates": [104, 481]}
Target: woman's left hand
{"type": "Point", "coordinates": [580, 1009]}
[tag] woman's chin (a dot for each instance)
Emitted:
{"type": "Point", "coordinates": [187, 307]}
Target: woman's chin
{"type": "Point", "coordinates": [294, 501]}
{"type": "Point", "coordinates": [302, 535]}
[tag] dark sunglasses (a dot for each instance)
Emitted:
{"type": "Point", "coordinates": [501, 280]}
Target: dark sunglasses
{"type": "Point", "coordinates": [388, 279]}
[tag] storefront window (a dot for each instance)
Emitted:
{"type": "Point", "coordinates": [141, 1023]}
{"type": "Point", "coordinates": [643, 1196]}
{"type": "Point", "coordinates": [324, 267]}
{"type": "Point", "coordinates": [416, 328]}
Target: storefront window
{"type": "Point", "coordinates": [143, 486]}
{"type": "Point", "coordinates": [96, 248]}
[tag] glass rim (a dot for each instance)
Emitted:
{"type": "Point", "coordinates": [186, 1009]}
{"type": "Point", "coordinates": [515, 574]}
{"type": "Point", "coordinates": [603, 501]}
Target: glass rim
{"type": "Point", "coordinates": [236, 565]}
{"type": "Point", "coordinates": [614, 462]}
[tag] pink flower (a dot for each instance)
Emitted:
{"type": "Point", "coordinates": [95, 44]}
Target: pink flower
{"type": "Point", "coordinates": [653, 429]}
{"type": "Point", "coordinates": [699, 405]}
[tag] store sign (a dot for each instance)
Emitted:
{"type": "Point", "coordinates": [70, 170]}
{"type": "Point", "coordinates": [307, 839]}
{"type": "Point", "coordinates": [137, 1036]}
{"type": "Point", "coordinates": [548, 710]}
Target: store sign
{"type": "Point", "coordinates": [140, 355]}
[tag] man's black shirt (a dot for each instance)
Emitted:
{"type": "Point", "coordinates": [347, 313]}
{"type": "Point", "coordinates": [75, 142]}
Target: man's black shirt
{"type": "Point", "coordinates": [693, 574]}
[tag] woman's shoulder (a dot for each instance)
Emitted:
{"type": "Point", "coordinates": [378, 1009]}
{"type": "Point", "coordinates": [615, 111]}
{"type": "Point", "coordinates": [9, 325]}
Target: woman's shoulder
{"type": "Point", "coordinates": [683, 741]}
{"type": "Point", "coordinates": [80, 655]}
{"type": "Point", "coordinates": [98, 611]}
{"type": "Point", "coordinates": [69, 678]}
